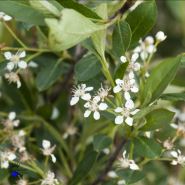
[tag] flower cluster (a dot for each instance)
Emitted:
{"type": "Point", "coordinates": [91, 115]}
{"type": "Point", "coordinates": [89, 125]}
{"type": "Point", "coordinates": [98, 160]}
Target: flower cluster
{"type": "Point", "coordinates": [93, 104]}
{"type": "Point", "coordinates": [50, 179]}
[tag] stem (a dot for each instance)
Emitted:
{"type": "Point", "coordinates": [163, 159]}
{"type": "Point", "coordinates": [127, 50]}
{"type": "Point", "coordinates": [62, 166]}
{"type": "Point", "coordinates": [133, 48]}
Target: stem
{"type": "Point", "coordinates": [26, 49]}
{"type": "Point", "coordinates": [100, 179]}
{"type": "Point", "coordinates": [14, 35]}
{"type": "Point", "coordinates": [26, 167]}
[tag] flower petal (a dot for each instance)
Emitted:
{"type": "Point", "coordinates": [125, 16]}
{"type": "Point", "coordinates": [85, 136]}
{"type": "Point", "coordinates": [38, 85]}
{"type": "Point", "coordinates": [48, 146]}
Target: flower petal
{"type": "Point", "coordinates": [118, 109]}
{"type": "Point", "coordinates": [96, 115]}
{"type": "Point", "coordinates": [22, 54]}
{"type": "Point", "coordinates": [129, 104]}
{"type": "Point", "coordinates": [87, 113]}
{"type": "Point", "coordinates": [103, 106]}
{"type": "Point", "coordinates": [7, 17]}
{"type": "Point", "coordinates": [8, 55]}
{"type": "Point", "coordinates": [86, 97]}
{"type": "Point", "coordinates": [12, 116]}
{"type": "Point", "coordinates": [53, 158]}
{"type": "Point", "coordinates": [74, 100]}
{"type": "Point", "coordinates": [46, 144]}
{"type": "Point", "coordinates": [10, 66]}
{"type": "Point", "coordinates": [117, 89]}
{"type": "Point", "coordinates": [174, 154]}
{"type": "Point", "coordinates": [127, 95]}
{"type": "Point", "coordinates": [89, 88]}
{"type": "Point", "coordinates": [22, 64]}
{"type": "Point", "coordinates": [119, 120]}
{"type": "Point", "coordinates": [129, 121]}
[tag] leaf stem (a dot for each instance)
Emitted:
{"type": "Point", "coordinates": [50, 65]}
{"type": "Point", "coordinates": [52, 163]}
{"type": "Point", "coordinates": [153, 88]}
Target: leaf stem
{"type": "Point", "coordinates": [14, 35]}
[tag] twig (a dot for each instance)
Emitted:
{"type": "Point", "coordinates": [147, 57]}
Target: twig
{"type": "Point", "coordinates": [110, 163]}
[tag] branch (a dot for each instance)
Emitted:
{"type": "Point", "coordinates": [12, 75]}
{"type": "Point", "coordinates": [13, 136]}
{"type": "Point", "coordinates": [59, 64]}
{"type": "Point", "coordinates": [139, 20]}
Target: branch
{"type": "Point", "coordinates": [110, 163]}
{"type": "Point", "coordinates": [124, 8]}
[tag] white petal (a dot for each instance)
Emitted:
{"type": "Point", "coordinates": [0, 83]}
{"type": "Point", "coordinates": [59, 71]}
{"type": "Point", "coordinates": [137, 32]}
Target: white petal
{"type": "Point", "coordinates": [112, 174]}
{"type": "Point", "coordinates": [10, 66]}
{"type": "Point", "coordinates": [89, 88]}
{"type": "Point", "coordinates": [134, 89]}
{"type": "Point", "coordinates": [174, 154]}
{"type": "Point", "coordinates": [87, 113]}
{"type": "Point", "coordinates": [160, 36]}
{"type": "Point", "coordinates": [137, 66]}
{"type": "Point", "coordinates": [134, 57]}
{"type": "Point", "coordinates": [46, 144]}
{"type": "Point", "coordinates": [131, 75]}
{"type": "Point", "coordinates": [74, 100]}
{"type": "Point", "coordinates": [12, 116]}
{"type": "Point", "coordinates": [118, 109]}
{"type": "Point", "coordinates": [4, 164]}
{"type": "Point", "coordinates": [103, 106]}
{"type": "Point", "coordinates": [87, 105]}
{"type": "Point", "coordinates": [53, 158]}
{"type": "Point", "coordinates": [134, 166]}
{"type": "Point", "coordinates": [22, 54]}
{"type": "Point", "coordinates": [173, 125]}
{"type": "Point", "coordinates": [119, 120]}
{"type": "Point", "coordinates": [129, 104]}
{"type": "Point", "coordinates": [149, 40]}
{"type": "Point", "coordinates": [123, 59]}
{"type": "Point", "coordinates": [96, 115]}
{"type": "Point", "coordinates": [8, 55]}
{"type": "Point", "coordinates": [174, 162]}
{"type": "Point", "coordinates": [135, 111]}
{"type": "Point", "coordinates": [22, 64]}
{"type": "Point", "coordinates": [16, 123]}
{"type": "Point", "coordinates": [86, 97]}
{"type": "Point", "coordinates": [96, 99]}
{"type": "Point", "coordinates": [18, 84]}
{"type": "Point", "coordinates": [118, 81]}
{"type": "Point", "coordinates": [11, 156]}
{"type": "Point", "coordinates": [144, 55]}
{"type": "Point", "coordinates": [117, 89]}
{"type": "Point", "coordinates": [124, 154]}
{"type": "Point", "coordinates": [151, 49]}
{"type": "Point", "coordinates": [7, 17]}
{"type": "Point", "coordinates": [127, 95]}
{"type": "Point", "coordinates": [121, 182]}
{"type": "Point", "coordinates": [129, 121]}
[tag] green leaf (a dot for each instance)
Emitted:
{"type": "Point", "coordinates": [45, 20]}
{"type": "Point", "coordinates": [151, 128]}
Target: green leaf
{"type": "Point", "coordinates": [142, 19]}
{"type": "Point", "coordinates": [146, 147]}
{"type": "Point", "coordinates": [101, 142]}
{"type": "Point", "coordinates": [99, 37]}
{"type": "Point", "coordinates": [157, 119]}
{"type": "Point", "coordinates": [84, 166]}
{"type": "Point", "coordinates": [2, 68]}
{"type": "Point", "coordinates": [87, 68]}
{"type": "Point", "coordinates": [22, 11]}
{"type": "Point", "coordinates": [50, 74]}
{"type": "Point", "coordinates": [173, 96]}
{"type": "Point", "coordinates": [130, 176]}
{"type": "Point", "coordinates": [46, 7]}
{"type": "Point", "coordinates": [159, 79]}
{"type": "Point", "coordinates": [80, 8]}
{"type": "Point", "coordinates": [121, 38]}
{"type": "Point", "coordinates": [120, 70]}
{"type": "Point", "coordinates": [71, 29]}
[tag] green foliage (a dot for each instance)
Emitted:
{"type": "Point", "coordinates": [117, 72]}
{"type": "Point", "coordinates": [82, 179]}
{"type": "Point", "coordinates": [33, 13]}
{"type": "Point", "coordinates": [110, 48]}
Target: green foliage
{"type": "Point", "coordinates": [148, 148]}
{"type": "Point", "coordinates": [87, 68]}
{"type": "Point", "coordinates": [142, 19]}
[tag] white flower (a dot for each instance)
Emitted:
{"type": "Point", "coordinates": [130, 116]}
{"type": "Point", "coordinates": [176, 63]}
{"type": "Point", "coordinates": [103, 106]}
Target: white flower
{"type": "Point", "coordinates": [94, 106]}
{"type": "Point", "coordinates": [5, 17]}
{"type": "Point", "coordinates": [5, 157]}
{"type": "Point", "coordinates": [121, 182]}
{"type": "Point", "coordinates": [146, 47]}
{"type": "Point", "coordinates": [103, 92]}
{"type": "Point", "coordinates": [48, 150]}
{"type": "Point", "coordinates": [15, 60]}
{"type": "Point", "coordinates": [124, 162]}
{"type": "Point", "coordinates": [160, 36]}
{"type": "Point", "coordinates": [178, 158]}
{"type": "Point", "coordinates": [112, 174]}
{"type": "Point", "coordinates": [18, 141]}
{"type": "Point", "coordinates": [124, 113]}
{"type": "Point", "coordinates": [11, 122]}
{"type": "Point", "coordinates": [13, 77]}
{"type": "Point", "coordinates": [123, 59]}
{"type": "Point", "coordinates": [80, 92]}
{"type": "Point", "coordinates": [127, 84]}
{"type": "Point", "coordinates": [22, 182]}
{"type": "Point", "coordinates": [50, 179]}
